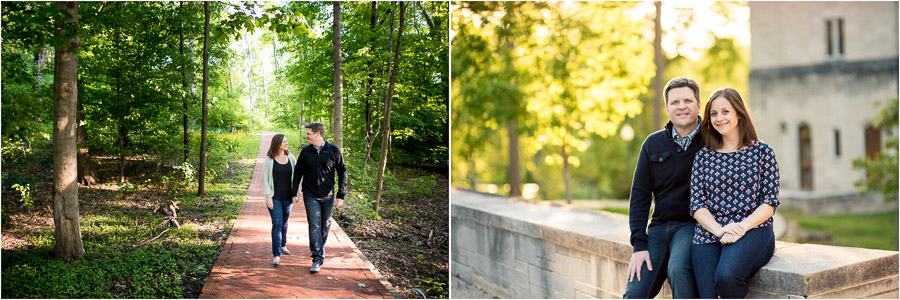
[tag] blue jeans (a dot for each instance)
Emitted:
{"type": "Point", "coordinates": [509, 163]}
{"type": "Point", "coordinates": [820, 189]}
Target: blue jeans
{"type": "Point", "coordinates": [723, 270]}
{"type": "Point", "coordinates": [318, 215]}
{"type": "Point", "coordinates": [670, 254]}
{"type": "Point", "coordinates": [280, 212]}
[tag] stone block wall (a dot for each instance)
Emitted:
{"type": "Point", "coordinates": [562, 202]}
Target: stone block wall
{"type": "Point", "coordinates": [519, 249]}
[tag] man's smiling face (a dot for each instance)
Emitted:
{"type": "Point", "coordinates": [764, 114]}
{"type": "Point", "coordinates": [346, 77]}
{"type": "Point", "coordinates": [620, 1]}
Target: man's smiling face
{"type": "Point", "coordinates": [682, 107]}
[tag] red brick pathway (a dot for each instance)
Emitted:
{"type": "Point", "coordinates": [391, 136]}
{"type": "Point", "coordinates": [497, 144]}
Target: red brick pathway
{"type": "Point", "coordinates": [244, 268]}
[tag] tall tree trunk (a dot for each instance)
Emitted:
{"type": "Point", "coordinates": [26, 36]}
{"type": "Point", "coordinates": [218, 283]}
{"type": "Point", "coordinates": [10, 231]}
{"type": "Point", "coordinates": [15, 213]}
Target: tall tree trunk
{"type": "Point", "coordinates": [567, 178]}
{"type": "Point", "coordinates": [302, 107]}
{"type": "Point", "coordinates": [387, 68]}
{"type": "Point", "coordinates": [280, 90]}
{"type": "Point", "coordinates": [382, 90]}
{"type": "Point", "coordinates": [373, 20]}
{"type": "Point", "coordinates": [119, 110]}
{"type": "Point", "coordinates": [538, 160]}
{"type": "Point", "coordinates": [369, 146]}
{"type": "Point", "coordinates": [184, 86]}
{"type": "Point", "coordinates": [39, 56]}
{"type": "Point", "coordinates": [66, 210]}
{"type": "Point", "coordinates": [266, 93]}
{"type": "Point", "coordinates": [139, 96]}
{"type": "Point", "coordinates": [230, 78]}
{"type": "Point", "coordinates": [427, 18]}
{"type": "Point", "coordinates": [660, 68]}
{"type": "Point", "coordinates": [338, 114]}
{"type": "Point", "coordinates": [303, 59]}
{"type": "Point", "coordinates": [386, 136]}
{"type": "Point", "coordinates": [513, 170]}
{"type": "Point", "coordinates": [86, 174]}
{"type": "Point", "coordinates": [122, 134]}
{"type": "Point", "coordinates": [472, 174]}
{"type": "Point", "coordinates": [515, 179]}
{"type": "Point", "coordinates": [190, 67]}
{"type": "Point", "coordinates": [275, 50]}
{"type": "Point", "coordinates": [250, 77]}
{"type": "Point", "coordinates": [205, 89]}
{"type": "Point", "coordinates": [445, 88]}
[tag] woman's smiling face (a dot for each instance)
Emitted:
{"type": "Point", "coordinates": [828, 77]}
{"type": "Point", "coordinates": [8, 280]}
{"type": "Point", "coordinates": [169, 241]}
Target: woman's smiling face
{"type": "Point", "coordinates": [723, 117]}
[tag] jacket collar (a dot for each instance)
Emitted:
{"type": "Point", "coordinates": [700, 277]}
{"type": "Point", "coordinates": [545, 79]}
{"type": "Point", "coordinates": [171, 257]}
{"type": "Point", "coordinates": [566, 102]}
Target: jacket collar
{"type": "Point", "coordinates": [671, 127]}
{"type": "Point", "coordinates": [313, 147]}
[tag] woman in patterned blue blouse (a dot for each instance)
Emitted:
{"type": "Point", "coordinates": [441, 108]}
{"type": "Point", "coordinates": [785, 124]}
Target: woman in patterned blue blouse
{"type": "Point", "coordinates": [734, 192]}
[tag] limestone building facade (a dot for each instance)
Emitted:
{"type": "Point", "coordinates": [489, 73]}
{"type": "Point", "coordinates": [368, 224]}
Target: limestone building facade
{"type": "Point", "coordinates": [820, 71]}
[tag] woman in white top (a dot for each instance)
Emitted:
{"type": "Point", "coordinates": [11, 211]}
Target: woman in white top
{"type": "Point", "coordinates": [278, 175]}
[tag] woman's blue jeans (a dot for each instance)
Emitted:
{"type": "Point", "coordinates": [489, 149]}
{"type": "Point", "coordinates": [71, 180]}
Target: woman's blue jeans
{"type": "Point", "coordinates": [280, 212]}
{"type": "Point", "coordinates": [723, 270]}
{"type": "Point", "coordinates": [669, 244]}
{"type": "Point", "coordinates": [318, 215]}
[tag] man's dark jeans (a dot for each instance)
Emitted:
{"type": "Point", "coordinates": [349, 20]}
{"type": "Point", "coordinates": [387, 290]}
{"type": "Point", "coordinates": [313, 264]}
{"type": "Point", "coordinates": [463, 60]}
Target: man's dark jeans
{"type": "Point", "coordinates": [318, 215]}
{"type": "Point", "coordinates": [723, 270]}
{"type": "Point", "coordinates": [280, 212]}
{"type": "Point", "coordinates": [670, 253]}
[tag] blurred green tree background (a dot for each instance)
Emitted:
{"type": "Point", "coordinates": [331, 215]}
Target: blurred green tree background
{"type": "Point", "coordinates": [558, 97]}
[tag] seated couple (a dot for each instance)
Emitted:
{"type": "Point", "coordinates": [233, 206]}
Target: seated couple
{"type": "Point", "coordinates": [715, 186]}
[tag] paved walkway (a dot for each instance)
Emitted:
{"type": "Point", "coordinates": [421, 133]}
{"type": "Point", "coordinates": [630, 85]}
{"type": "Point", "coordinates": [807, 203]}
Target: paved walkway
{"type": "Point", "coordinates": [244, 268]}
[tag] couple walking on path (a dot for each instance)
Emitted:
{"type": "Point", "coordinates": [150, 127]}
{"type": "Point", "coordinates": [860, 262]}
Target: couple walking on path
{"type": "Point", "coordinates": [715, 186]}
{"type": "Point", "coordinates": [242, 271]}
{"type": "Point", "coordinates": [311, 178]}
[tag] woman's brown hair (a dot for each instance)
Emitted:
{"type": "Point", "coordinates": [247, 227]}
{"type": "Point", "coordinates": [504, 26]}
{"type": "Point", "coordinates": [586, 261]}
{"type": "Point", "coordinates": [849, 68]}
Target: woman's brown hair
{"type": "Point", "coordinates": [712, 137]}
{"type": "Point", "coordinates": [276, 144]}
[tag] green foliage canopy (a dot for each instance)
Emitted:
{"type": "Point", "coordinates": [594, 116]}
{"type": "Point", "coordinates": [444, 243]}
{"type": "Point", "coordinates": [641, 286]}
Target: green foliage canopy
{"type": "Point", "coordinates": [420, 111]}
{"type": "Point", "coordinates": [572, 83]}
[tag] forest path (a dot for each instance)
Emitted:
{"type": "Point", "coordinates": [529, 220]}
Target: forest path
{"type": "Point", "coordinates": [244, 268]}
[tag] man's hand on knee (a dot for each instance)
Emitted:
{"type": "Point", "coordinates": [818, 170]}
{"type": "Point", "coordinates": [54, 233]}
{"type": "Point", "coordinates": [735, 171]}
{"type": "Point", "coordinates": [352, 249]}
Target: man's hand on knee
{"type": "Point", "coordinates": [637, 261]}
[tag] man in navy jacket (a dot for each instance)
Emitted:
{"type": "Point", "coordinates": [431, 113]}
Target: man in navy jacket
{"type": "Point", "coordinates": [663, 176]}
{"type": "Point", "coordinates": [317, 164]}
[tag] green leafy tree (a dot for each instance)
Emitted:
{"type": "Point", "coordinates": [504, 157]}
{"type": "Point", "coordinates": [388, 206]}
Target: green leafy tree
{"type": "Point", "coordinates": [489, 81]}
{"type": "Point", "coordinates": [205, 91]}
{"type": "Point", "coordinates": [419, 108]}
{"type": "Point", "coordinates": [881, 170]}
{"type": "Point", "coordinates": [28, 30]}
{"type": "Point", "coordinates": [578, 78]}
{"type": "Point", "coordinates": [385, 138]}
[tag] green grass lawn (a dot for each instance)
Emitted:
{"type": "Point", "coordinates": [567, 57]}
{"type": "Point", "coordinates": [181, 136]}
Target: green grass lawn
{"type": "Point", "coordinates": [618, 210]}
{"type": "Point", "coordinates": [873, 231]}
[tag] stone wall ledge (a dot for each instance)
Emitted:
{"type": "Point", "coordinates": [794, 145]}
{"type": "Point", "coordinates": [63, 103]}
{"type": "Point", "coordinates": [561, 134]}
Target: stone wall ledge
{"type": "Point", "coordinates": [513, 248]}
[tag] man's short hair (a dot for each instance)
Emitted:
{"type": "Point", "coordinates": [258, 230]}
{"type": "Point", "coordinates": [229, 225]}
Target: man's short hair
{"type": "Point", "coordinates": [316, 127]}
{"type": "Point", "coordinates": [678, 82]}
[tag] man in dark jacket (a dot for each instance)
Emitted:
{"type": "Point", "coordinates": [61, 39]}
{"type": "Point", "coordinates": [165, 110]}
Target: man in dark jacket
{"type": "Point", "coordinates": [316, 167]}
{"type": "Point", "coordinates": [663, 176]}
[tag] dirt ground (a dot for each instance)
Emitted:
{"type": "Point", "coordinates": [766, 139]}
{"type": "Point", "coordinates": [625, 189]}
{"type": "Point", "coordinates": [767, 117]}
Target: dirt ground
{"type": "Point", "coordinates": [410, 244]}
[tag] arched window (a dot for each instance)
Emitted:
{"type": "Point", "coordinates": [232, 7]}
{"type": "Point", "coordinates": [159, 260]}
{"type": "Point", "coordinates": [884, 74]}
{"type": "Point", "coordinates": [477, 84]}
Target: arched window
{"type": "Point", "coordinates": [873, 141]}
{"type": "Point", "coordinates": [806, 159]}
